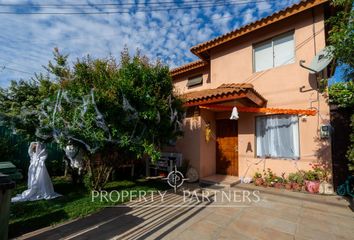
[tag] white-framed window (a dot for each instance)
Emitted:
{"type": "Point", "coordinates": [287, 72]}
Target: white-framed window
{"type": "Point", "coordinates": [275, 52]}
{"type": "Point", "coordinates": [277, 136]}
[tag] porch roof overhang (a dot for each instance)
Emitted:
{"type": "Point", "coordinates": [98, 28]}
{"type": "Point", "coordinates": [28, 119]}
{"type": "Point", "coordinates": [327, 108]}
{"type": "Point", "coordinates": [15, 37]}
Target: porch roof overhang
{"type": "Point", "coordinates": [242, 95]}
{"type": "Point", "coordinates": [307, 112]}
{"type": "Point", "coordinates": [242, 92]}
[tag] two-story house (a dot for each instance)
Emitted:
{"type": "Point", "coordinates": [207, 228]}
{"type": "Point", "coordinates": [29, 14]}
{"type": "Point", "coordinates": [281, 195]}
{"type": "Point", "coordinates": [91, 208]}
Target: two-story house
{"type": "Point", "coordinates": [280, 108]}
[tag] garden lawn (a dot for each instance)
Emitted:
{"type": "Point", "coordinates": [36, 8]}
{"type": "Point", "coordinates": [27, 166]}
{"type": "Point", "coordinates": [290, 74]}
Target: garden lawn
{"type": "Point", "coordinates": [75, 202]}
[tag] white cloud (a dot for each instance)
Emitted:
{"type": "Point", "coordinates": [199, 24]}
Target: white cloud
{"type": "Point", "coordinates": [263, 8]}
{"type": "Point", "coordinates": [249, 16]}
{"type": "Point", "coordinates": [27, 41]}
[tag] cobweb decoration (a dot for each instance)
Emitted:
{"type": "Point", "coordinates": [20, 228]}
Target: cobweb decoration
{"type": "Point", "coordinates": [174, 119]}
{"type": "Point", "coordinates": [80, 110]}
{"type": "Point", "coordinates": [127, 107]}
{"type": "Point", "coordinates": [54, 125]}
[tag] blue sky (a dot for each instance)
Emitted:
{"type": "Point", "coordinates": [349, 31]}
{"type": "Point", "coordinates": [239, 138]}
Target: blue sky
{"type": "Point", "coordinates": [27, 41]}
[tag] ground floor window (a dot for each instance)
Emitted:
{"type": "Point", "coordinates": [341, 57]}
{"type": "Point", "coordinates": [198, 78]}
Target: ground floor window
{"type": "Point", "coordinates": [278, 136]}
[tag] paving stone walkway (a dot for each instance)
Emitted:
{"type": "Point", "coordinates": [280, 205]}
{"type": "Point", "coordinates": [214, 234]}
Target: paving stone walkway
{"type": "Point", "coordinates": [279, 214]}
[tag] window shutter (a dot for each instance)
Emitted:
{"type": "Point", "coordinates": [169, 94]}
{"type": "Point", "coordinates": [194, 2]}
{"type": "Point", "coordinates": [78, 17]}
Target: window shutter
{"type": "Point", "coordinates": [284, 52]}
{"type": "Point", "coordinates": [263, 56]}
{"type": "Point", "coordinates": [195, 81]}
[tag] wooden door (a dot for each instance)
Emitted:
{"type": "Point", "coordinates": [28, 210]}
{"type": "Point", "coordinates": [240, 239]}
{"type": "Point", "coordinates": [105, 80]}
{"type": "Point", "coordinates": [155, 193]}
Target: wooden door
{"type": "Point", "coordinates": [226, 147]}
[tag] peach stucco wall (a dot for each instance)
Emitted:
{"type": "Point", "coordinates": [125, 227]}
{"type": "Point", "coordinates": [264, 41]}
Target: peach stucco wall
{"type": "Point", "coordinates": [189, 145]}
{"type": "Point", "coordinates": [180, 82]}
{"type": "Point", "coordinates": [193, 144]}
{"type": "Point", "coordinates": [232, 63]}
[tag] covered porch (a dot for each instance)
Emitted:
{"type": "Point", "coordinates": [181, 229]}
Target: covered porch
{"type": "Point", "coordinates": [211, 139]}
{"type": "Point", "coordinates": [216, 146]}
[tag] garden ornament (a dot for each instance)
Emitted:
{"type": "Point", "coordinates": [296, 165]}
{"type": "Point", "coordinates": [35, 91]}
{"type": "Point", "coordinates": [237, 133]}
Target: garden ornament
{"type": "Point", "coordinates": [192, 175]}
{"type": "Point", "coordinates": [246, 179]}
{"type": "Point", "coordinates": [39, 184]}
{"type": "Point", "coordinates": [325, 188]}
{"type": "Point", "coordinates": [207, 132]}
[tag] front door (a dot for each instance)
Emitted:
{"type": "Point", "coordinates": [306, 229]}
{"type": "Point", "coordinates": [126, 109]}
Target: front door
{"type": "Point", "coordinates": [226, 147]}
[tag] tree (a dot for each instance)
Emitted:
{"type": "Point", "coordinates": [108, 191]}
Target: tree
{"type": "Point", "coordinates": [19, 104]}
{"type": "Point", "coordinates": [111, 111]}
{"type": "Point", "coordinates": [342, 94]}
{"type": "Point", "coordinates": [341, 36]}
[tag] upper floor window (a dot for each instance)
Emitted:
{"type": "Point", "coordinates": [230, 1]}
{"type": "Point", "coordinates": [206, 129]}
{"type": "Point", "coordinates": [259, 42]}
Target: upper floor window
{"type": "Point", "coordinates": [275, 52]}
{"type": "Point", "coordinates": [194, 81]}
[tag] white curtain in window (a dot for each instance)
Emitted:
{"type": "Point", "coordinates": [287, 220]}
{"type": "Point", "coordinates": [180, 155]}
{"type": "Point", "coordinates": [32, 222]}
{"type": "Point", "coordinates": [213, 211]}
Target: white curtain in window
{"type": "Point", "coordinates": [278, 136]}
{"type": "Point", "coordinates": [263, 55]}
{"type": "Point", "coordinates": [284, 50]}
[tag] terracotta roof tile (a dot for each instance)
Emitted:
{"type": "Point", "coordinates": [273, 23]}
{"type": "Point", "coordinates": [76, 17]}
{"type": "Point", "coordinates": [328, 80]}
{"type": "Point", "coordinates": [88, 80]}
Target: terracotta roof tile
{"type": "Point", "coordinates": [187, 67]}
{"type": "Point", "coordinates": [277, 16]}
{"type": "Point", "coordinates": [222, 91]}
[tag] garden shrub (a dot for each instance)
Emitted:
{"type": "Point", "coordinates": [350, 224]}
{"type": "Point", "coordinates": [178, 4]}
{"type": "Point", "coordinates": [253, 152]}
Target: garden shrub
{"type": "Point", "coordinates": [109, 110]}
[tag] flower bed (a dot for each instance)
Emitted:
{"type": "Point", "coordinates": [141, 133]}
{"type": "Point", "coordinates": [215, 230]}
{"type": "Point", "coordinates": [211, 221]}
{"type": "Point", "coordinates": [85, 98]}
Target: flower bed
{"type": "Point", "coordinates": [313, 181]}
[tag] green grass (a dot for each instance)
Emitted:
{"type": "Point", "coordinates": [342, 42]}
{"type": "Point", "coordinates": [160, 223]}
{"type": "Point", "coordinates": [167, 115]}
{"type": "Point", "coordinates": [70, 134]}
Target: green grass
{"type": "Point", "coordinates": [76, 202]}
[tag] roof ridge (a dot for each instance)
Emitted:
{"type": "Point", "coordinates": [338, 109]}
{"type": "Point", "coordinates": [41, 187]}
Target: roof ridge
{"type": "Point", "coordinates": [201, 49]}
{"type": "Point", "coordinates": [188, 66]}
{"type": "Point", "coordinates": [300, 6]}
{"type": "Point", "coordinates": [236, 85]}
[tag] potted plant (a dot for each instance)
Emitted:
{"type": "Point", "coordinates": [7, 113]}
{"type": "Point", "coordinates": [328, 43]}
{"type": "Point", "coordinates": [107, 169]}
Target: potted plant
{"type": "Point", "coordinates": [257, 179]}
{"type": "Point", "coordinates": [280, 181]}
{"type": "Point", "coordinates": [288, 185]}
{"type": "Point", "coordinates": [296, 181]}
{"type": "Point", "coordinates": [312, 182]}
{"type": "Point", "coordinates": [296, 186]}
{"type": "Point", "coordinates": [286, 182]}
{"type": "Point", "coordinates": [270, 178]}
{"type": "Point", "coordinates": [323, 173]}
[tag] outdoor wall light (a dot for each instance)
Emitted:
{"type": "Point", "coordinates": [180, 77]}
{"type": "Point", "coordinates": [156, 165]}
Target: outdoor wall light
{"type": "Point", "coordinates": [234, 114]}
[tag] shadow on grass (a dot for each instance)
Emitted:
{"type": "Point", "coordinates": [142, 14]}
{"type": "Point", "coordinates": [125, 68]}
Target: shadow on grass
{"type": "Point", "coordinates": [75, 202]}
{"type": "Point", "coordinates": [30, 216]}
{"type": "Point", "coordinates": [123, 221]}
{"type": "Point", "coordinates": [101, 225]}
{"type": "Point", "coordinates": [32, 224]}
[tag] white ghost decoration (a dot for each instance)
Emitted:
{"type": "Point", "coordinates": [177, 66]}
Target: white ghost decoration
{"type": "Point", "coordinates": [39, 183]}
{"type": "Point", "coordinates": [234, 114]}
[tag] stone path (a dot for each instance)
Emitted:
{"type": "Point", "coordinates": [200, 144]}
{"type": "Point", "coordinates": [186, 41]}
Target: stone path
{"type": "Point", "coordinates": [278, 215]}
